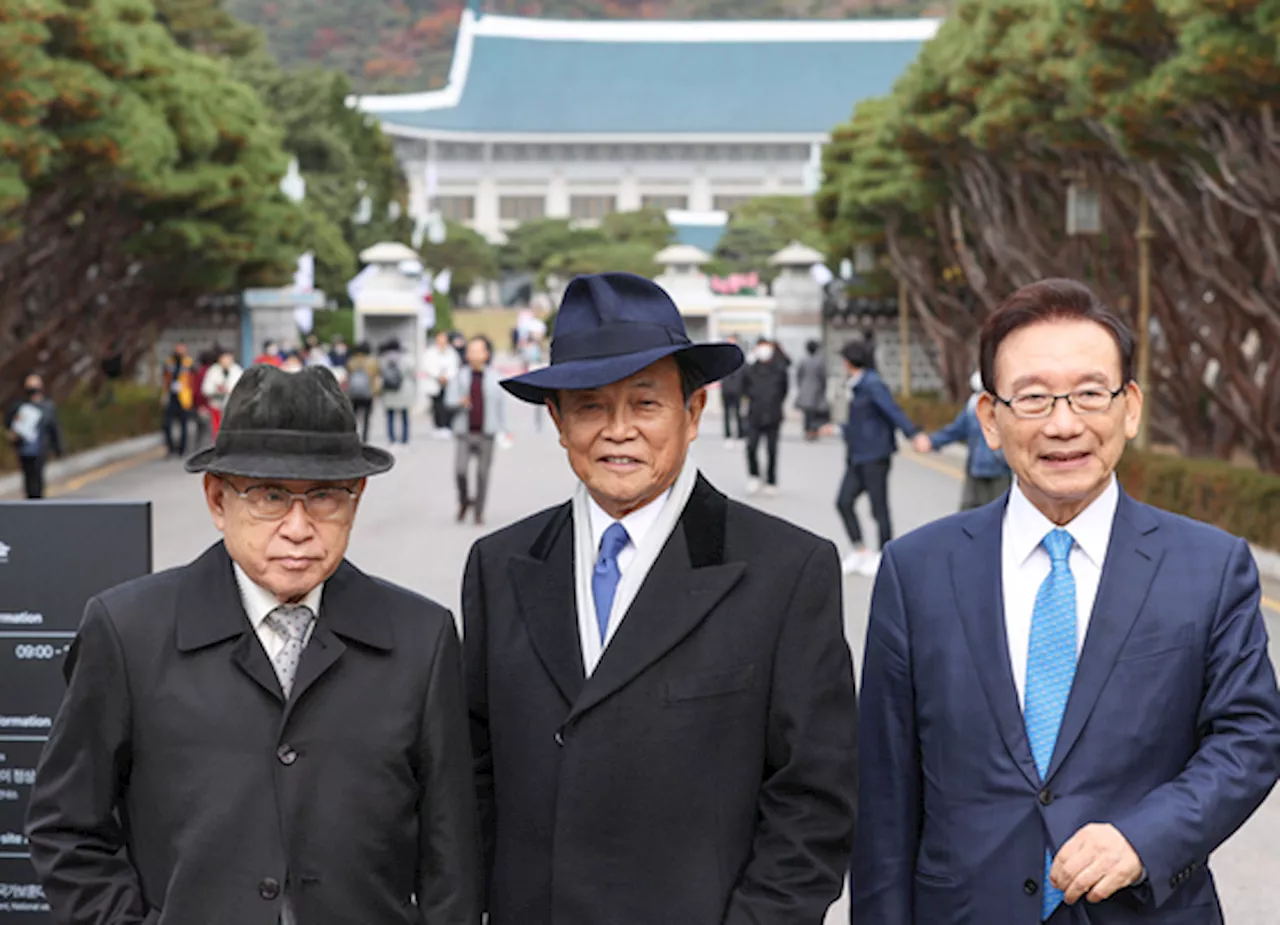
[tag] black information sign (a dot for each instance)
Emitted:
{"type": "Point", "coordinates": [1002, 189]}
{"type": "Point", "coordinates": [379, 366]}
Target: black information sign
{"type": "Point", "coordinates": [54, 556]}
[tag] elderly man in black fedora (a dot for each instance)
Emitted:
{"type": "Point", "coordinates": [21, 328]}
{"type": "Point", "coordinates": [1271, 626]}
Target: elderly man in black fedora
{"type": "Point", "coordinates": [266, 736]}
{"type": "Point", "coordinates": [661, 696]}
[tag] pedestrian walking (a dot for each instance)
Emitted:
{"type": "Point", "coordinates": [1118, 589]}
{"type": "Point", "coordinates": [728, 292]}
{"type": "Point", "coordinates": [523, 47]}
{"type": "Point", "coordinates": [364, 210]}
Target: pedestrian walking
{"type": "Point", "coordinates": [1067, 699]}
{"type": "Point", "coordinates": [201, 414]}
{"type": "Point", "coordinates": [32, 428]}
{"type": "Point", "coordinates": [219, 381]}
{"type": "Point", "coordinates": [533, 353]}
{"type": "Point", "coordinates": [870, 442]}
{"type": "Point", "coordinates": [362, 385]}
{"type": "Point", "coordinates": [661, 696]}
{"type": "Point", "coordinates": [731, 389]}
{"type": "Point", "coordinates": [986, 474]}
{"type": "Point", "coordinates": [180, 398]}
{"type": "Point", "coordinates": [479, 419]}
{"type": "Point", "coordinates": [267, 734]}
{"type": "Point", "coordinates": [440, 363]}
{"type": "Point", "coordinates": [765, 387]}
{"type": "Point", "coordinates": [399, 388]}
{"type": "Point", "coordinates": [811, 390]}
{"type": "Point", "coordinates": [270, 355]}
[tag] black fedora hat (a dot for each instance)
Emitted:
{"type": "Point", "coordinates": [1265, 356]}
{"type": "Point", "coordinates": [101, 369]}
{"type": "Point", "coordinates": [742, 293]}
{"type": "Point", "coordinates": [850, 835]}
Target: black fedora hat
{"type": "Point", "coordinates": [295, 426]}
{"type": "Point", "coordinates": [611, 326]}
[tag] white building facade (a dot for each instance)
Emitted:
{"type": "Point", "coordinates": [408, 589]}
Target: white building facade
{"type": "Point", "coordinates": [578, 119]}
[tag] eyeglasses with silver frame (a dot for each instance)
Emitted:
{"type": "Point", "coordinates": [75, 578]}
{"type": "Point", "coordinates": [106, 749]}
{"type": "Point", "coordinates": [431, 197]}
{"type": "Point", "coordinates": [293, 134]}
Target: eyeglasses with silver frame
{"type": "Point", "coordinates": [272, 502]}
{"type": "Point", "coordinates": [1033, 405]}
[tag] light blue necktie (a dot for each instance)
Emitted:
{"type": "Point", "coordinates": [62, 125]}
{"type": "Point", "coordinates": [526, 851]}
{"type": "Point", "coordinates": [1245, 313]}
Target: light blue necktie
{"type": "Point", "coordinates": [605, 576]}
{"type": "Point", "coordinates": [1051, 667]}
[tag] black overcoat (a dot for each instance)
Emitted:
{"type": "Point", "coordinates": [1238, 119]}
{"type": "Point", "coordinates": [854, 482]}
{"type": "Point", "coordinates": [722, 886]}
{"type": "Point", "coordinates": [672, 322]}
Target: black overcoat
{"type": "Point", "coordinates": [179, 787]}
{"type": "Point", "coordinates": [704, 773]}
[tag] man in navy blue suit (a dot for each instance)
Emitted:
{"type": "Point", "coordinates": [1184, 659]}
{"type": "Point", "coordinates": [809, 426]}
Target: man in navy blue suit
{"type": "Point", "coordinates": [1067, 702]}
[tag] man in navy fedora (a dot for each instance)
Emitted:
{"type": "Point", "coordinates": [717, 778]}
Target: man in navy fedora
{"type": "Point", "coordinates": [661, 696]}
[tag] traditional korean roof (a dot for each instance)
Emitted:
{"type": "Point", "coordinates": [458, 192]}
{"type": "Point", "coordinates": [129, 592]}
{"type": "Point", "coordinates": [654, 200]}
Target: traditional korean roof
{"type": "Point", "coordinates": [517, 76]}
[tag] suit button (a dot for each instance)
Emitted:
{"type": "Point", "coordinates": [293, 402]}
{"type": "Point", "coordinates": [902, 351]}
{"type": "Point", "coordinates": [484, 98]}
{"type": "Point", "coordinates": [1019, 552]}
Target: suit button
{"type": "Point", "coordinates": [1174, 883]}
{"type": "Point", "coordinates": [269, 888]}
{"type": "Point", "coordinates": [1030, 887]}
{"type": "Point", "coordinates": [560, 738]}
{"type": "Point", "coordinates": [1045, 797]}
{"type": "Point", "coordinates": [286, 755]}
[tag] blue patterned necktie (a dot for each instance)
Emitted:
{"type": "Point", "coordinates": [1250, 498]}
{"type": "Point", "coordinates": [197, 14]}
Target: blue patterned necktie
{"type": "Point", "coordinates": [605, 577]}
{"type": "Point", "coordinates": [1051, 667]}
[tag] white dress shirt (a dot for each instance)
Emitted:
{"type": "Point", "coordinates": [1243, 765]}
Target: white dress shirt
{"type": "Point", "coordinates": [258, 604]}
{"type": "Point", "coordinates": [1025, 564]}
{"type": "Point", "coordinates": [648, 530]}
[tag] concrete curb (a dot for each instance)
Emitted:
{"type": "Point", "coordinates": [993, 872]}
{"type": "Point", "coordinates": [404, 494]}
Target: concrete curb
{"type": "Point", "coordinates": [63, 470]}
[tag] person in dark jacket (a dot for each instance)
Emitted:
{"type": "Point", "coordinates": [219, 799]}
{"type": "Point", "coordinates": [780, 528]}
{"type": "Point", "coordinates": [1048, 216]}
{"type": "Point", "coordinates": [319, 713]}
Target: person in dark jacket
{"type": "Point", "coordinates": [869, 436]}
{"type": "Point", "coordinates": [765, 388]}
{"type": "Point", "coordinates": [267, 735]}
{"type": "Point", "coordinates": [811, 390]}
{"type": "Point", "coordinates": [32, 428]}
{"type": "Point", "coordinates": [731, 397]}
{"type": "Point", "coordinates": [986, 474]}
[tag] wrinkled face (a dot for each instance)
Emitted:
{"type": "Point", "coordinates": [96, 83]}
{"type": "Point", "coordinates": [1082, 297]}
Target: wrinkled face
{"type": "Point", "coordinates": [1063, 461]}
{"type": "Point", "coordinates": [288, 556]}
{"type": "Point", "coordinates": [628, 441]}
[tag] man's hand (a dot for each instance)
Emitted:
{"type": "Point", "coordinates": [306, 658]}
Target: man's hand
{"type": "Point", "coordinates": [828, 430]}
{"type": "Point", "coordinates": [1095, 863]}
{"type": "Point", "coordinates": [921, 443]}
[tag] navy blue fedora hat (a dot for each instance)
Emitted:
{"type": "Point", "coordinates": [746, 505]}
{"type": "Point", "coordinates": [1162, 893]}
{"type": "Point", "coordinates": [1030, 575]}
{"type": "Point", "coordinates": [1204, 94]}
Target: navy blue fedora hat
{"type": "Point", "coordinates": [611, 326]}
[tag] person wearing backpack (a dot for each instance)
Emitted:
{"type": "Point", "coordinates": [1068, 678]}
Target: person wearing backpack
{"type": "Point", "coordinates": [362, 385]}
{"type": "Point", "coordinates": [395, 370]}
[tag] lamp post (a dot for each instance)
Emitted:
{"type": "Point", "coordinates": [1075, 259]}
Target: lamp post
{"type": "Point", "coordinates": [1145, 234]}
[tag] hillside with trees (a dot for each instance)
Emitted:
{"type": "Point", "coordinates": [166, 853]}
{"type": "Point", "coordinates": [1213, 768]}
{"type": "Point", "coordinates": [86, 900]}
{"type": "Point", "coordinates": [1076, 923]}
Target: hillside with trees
{"type": "Point", "coordinates": [406, 45]}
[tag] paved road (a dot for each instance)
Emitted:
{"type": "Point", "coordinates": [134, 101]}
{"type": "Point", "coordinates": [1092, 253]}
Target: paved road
{"type": "Point", "coordinates": [406, 532]}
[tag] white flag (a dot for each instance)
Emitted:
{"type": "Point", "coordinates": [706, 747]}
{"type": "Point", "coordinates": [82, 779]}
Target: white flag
{"type": "Point", "coordinates": [359, 280]}
{"type": "Point", "coordinates": [443, 279]}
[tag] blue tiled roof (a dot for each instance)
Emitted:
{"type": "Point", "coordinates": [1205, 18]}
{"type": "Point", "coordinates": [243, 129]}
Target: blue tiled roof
{"type": "Point", "coordinates": [554, 86]}
{"type": "Point", "coordinates": [704, 237]}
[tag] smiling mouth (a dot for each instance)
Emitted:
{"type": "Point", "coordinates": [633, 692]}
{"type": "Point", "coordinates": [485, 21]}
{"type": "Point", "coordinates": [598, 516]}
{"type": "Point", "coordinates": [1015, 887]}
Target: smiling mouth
{"type": "Point", "coordinates": [1065, 457]}
{"type": "Point", "coordinates": [620, 460]}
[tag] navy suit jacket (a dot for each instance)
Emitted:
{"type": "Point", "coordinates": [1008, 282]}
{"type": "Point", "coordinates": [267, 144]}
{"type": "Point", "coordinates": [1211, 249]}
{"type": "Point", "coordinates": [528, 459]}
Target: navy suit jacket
{"type": "Point", "coordinates": [1171, 732]}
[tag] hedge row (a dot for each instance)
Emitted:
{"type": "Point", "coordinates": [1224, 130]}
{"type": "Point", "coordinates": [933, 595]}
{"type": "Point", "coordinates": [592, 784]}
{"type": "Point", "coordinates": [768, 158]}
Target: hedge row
{"type": "Point", "coordinates": [91, 419]}
{"type": "Point", "coordinates": [1241, 501]}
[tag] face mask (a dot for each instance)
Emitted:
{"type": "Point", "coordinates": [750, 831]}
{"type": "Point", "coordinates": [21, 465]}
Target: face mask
{"type": "Point", "coordinates": [975, 382]}
{"type": "Point", "coordinates": [764, 354]}
{"type": "Point", "coordinates": [32, 393]}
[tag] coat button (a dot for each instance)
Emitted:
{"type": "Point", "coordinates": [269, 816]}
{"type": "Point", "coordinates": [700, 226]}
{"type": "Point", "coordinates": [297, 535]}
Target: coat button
{"type": "Point", "coordinates": [269, 888]}
{"type": "Point", "coordinates": [1045, 797]}
{"type": "Point", "coordinates": [560, 738]}
{"type": "Point", "coordinates": [286, 755]}
{"type": "Point", "coordinates": [1030, 887]}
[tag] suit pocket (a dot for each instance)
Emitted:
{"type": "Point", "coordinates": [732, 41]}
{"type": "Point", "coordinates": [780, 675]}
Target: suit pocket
{"type": "Point", "coordinates": [1157, 641]}
{"type": "Point", "coordinates": [702, 687]}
